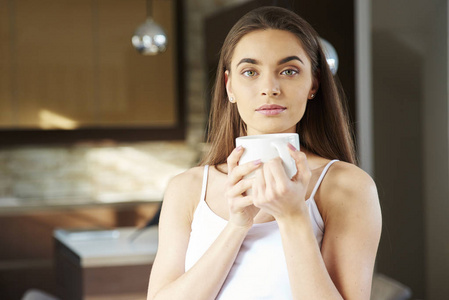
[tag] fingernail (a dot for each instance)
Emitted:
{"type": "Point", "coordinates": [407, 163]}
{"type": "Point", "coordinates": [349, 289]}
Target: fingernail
{"type": "Point", "coordinates": [257, 162]}
{"type": "Point", "coordinates": [239, 148]}
{"type": "Point", "coordinates": [292, 147]}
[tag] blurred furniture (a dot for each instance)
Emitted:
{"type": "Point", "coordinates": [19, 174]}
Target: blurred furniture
{"type": "Point", "coordinates": [94, 265]}
{"type": "Point", "coordinates": [386, 288]}
{"type": "Point", "coordinates": [27, 250]}
{"type": "Point", "coordinates": [34, 294]}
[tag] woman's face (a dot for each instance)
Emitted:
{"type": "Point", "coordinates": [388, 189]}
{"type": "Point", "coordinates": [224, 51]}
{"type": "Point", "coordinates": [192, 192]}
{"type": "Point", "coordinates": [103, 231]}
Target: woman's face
{"type": "Point", "coordinates": [270, 80]}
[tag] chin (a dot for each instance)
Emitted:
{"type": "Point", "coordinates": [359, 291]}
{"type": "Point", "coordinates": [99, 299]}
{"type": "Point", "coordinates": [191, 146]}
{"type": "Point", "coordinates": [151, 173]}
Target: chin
{"type": "Point", "coordinates": [271, 130]}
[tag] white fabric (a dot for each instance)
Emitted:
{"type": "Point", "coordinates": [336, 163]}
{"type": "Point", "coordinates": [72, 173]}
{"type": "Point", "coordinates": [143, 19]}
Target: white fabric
{"type": "Point", "coordinates": [259, 271]}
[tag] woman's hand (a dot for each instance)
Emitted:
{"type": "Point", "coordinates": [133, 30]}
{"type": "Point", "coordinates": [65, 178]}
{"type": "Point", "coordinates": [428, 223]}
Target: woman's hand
{"type": "Point", "coordinates": [276, 194]}
{"type": "Point", "coordinates": [241, 208]}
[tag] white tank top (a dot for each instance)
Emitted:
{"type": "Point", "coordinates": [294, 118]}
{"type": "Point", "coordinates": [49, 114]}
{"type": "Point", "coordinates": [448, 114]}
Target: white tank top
{"type": "Point", "coordinates": [259, 271]}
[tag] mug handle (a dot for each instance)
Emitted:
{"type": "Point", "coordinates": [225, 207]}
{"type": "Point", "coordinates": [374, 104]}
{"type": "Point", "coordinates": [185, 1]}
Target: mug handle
{"type": "Point", "coordinates": [290, 168]}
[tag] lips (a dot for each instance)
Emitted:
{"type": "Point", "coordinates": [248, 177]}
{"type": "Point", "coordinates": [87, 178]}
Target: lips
{"type": "Point", "coordinates": [271, 109]}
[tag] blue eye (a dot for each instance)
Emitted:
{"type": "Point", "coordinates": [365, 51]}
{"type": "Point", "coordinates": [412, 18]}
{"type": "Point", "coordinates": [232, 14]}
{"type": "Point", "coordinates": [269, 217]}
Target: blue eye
{"type": "Point", "coordinates": [289, 72]}
{"type": "Point", "coordinates": [249, 73]}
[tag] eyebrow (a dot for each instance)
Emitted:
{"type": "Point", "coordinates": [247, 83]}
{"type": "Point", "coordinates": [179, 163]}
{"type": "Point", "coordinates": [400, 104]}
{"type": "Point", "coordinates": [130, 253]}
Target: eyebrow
{"type": "Point", "coordinates": [290, 58]}
{"type": "Point", "coordinates": [249, 61]}
{"type": "Point", "coordinates": [282, 61]}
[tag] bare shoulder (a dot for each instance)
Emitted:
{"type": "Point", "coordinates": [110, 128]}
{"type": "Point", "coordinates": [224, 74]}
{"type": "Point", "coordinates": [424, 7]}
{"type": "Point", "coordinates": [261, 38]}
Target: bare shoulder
{"type": "Point", "coordinates": [181, 196]}
{"type": "Point", "coordinates": [349, 178]}
{"type": "Point", "coordinates": [184, 191]}
{"type": "Point", "coordinates": [187, 181]}
{"type": "Point", "coordinates": [353, 225]}
{"type": "Point", "coordinates": [348, 187]}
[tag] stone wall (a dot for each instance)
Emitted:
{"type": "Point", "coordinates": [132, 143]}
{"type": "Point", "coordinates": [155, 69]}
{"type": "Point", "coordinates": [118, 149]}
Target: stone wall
{"type": "Point", "coordinates": [132, 171]}
{"type": "Point", "coordinates": [136, 171]}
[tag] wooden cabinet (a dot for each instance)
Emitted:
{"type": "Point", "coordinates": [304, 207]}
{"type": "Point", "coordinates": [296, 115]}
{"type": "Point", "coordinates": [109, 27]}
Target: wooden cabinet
{"type": "Point", "coordinates": [95, 267]}
{"type": "Point", "coordinates": [27, 247]}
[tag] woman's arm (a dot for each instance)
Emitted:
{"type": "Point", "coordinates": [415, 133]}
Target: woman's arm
{"type": "Point", "coordinates": [168, 279]}
{"type": "Point", "coordinates": [353, 222]}
{"type": "Point", "coordinates": [350, 207]}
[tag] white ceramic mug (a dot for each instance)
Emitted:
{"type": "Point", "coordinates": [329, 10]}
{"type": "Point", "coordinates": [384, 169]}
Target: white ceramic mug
{"type": "Point", "coordinates": [268, 146]}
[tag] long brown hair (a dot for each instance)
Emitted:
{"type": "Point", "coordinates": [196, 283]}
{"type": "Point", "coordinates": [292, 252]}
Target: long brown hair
{"type": "Point", "coordinates": [324, 129]}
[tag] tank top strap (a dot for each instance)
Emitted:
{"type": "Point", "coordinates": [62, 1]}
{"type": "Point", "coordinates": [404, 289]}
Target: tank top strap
{"type": "Point", "coordinates": [317, 185]}
{"type": "Point", "coordinates": [204, 187]}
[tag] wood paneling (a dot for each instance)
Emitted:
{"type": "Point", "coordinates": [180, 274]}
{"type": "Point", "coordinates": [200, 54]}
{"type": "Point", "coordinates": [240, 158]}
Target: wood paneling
{"type": "Point", "coordinates": [134, 89]}
{"type": "Point", "coordinates": [74, 66]}
{"type": "Point", "coordinates": [55, 86]}
{"type": "Point", "coordinates": [6, 61]}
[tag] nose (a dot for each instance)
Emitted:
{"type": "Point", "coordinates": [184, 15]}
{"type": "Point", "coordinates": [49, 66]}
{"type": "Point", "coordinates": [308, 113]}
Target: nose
{"type": "Point", "coordinates": [270, 87]}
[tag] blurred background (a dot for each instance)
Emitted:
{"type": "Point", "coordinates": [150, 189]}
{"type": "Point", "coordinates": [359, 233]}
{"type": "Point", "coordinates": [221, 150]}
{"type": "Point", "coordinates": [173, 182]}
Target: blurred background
{"type": "Point", "coordinates": [91, 130]}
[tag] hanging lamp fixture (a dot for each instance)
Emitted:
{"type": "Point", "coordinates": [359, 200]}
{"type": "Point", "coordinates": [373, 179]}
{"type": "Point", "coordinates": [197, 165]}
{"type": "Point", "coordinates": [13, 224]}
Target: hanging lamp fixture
{"type": "Point", "coordinates": [149, 38]}
{"type": "Point", "coordinates": [331, 55]}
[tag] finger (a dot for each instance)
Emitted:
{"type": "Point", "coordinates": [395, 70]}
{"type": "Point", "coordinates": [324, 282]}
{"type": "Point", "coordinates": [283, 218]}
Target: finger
{"type": "Point", "coordinates": [240, 187]}
{"type": "Point", "coordinates": [260, 180]}
{"type": "Point", "coordinates": [258, 186]}
{"type": "Point", "coordinates": [278, 171]}
{"type": "Point", "coordinates": [234, 158]}
{"type": "Point", "coordinates": [292, 149]}
{"type": "Point", "coordinates": [268, 177]}
{"type": "Point", "coordinates": [302, 164]}
{"type": "Point", "coordinates": [276, 179]}
{"type": "Point", "coordinates": [246, 201]}
{"type": "Point", "coordinates": [243, 170]}
{"type": "Point", "coordinates": [254, 188]}
{"type": "Point", "coordinates": [238, 204]}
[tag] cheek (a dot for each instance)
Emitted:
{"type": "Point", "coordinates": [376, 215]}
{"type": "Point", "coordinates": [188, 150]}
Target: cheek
{"type": "Point", "coordinates": [303, 91]}
{"type": "Point", "coordinates": [244, 110]}
{"type": "Point", "coordinates": [244, 86]}
{"type": "Point", "coordinates": [300, 101]}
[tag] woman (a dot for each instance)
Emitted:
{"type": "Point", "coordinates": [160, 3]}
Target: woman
{"type": "Point", "coordinates": [311, 237]}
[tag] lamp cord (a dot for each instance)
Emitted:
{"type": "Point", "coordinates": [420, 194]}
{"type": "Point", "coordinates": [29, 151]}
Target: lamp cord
{"type": "Point", "coordinates": [149, 9]}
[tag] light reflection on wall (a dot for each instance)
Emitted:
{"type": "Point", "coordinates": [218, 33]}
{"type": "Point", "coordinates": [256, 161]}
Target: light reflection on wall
{"type": "Point", "coordinates": [120, 173]}
{"type": "Point", "coordinates": [51, 120]}
{"type": "Point", "coordinates": [87, 173]}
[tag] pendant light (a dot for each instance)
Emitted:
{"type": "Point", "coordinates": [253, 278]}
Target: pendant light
{"type": "Point", "coordinates": [331, 55]}
{"type": "Point", "coordinates": [149, 38]}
